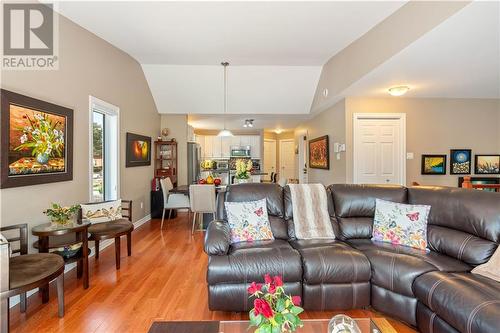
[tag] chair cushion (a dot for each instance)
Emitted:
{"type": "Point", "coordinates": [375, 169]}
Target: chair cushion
{"type": "Point", "coordinates": [249, 261]}
{"type": "Point", "coordinates": [442, 262]}
{"type": "Point", "coordinates": [468, 302]}
{"type": "Point", "coordinates": [332, 262]}
{"type": "Point", "coordinates": [30, 268]}
{"type": "Point", "coordinates": [111, 229]}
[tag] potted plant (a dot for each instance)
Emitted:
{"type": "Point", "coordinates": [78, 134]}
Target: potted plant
{"type": "Point", "coordinates": [61, 215]}
{"type": "Point", "coordinates": [273, 311]}
{"type": "Point", "coordinates": [243, 169]}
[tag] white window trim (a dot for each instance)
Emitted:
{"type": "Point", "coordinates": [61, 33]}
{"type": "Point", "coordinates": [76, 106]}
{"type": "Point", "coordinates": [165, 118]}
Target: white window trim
{"type": "Point", "coordinates": [402, 121]}
{"type": "Point", "coordinates": [112, 110]}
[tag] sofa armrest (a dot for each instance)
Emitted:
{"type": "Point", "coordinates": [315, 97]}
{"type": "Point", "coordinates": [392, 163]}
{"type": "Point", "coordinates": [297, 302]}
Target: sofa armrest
{"type": "Point", "coordinates": [217, 238]}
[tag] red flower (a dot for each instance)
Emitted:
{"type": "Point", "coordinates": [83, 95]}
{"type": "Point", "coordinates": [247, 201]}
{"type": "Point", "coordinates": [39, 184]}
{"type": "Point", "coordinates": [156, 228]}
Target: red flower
{"type": "Point", "coordinates": [272, 288]}
{"type": "Point", "coordinates": [296, 300]}
{"type": "Point", "coordinates": [263, 308]}
{"type": "Point", "coordinates": [254, 287]}
{"type": "Point", "coordinates": [267, 279]}
{"type": "Point", "coordinates": [278, 281]}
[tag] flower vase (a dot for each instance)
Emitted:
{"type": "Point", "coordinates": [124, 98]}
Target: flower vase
{"type": "Point", "coordinates": [60, 222]}
{"type": "Point", "coordinates": [42, 158]}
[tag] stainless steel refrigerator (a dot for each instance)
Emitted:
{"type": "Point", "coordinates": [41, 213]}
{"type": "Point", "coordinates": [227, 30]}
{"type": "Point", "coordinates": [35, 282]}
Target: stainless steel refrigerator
{"type": "Point", "coordinates": [193, 160]}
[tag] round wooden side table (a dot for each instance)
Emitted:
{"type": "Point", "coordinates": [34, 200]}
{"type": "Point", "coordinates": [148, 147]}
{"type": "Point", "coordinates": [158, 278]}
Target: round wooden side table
{"type": "Point", "coordinates": [46, 230]}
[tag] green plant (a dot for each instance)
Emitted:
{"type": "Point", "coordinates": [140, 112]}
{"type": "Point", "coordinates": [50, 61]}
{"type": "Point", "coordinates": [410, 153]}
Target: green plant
{"type": "Point", "coordinates": [42, 136]}
{"type": "Point", "coordinates": [274, 311]}
{"type": "Point", "coordinates": [243, 169]}
{"type": "Point", "coordinates": [61, 214]}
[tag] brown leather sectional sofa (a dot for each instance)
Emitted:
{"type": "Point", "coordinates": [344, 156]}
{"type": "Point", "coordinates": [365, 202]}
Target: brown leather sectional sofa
{"type": "Point", "coordinates": [432, 290]}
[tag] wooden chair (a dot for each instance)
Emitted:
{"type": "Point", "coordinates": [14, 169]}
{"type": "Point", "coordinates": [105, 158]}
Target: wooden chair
{"type": "Point", "coordinates": [113, 229]}
{"type": "Point", "coordinates": [27, 272]}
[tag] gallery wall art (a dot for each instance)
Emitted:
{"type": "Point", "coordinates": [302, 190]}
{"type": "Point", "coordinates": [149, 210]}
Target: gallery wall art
{"type": "Point", "coordinates": [36, 141]}
{"type": "Point", "coordinates": [433, 164]}
{"type": "Point", "coordinates": [138, 150]}
{"type": "Point", "coordinates": [319, 153]}
{"type": "Point", "coordinates": [460, 161]}
{"type": "Point", "coordinates": [487, 164]}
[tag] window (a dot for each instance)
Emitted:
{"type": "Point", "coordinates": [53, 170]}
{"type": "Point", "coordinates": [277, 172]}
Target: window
{"type": "Point", "coordinates": [104, 150]}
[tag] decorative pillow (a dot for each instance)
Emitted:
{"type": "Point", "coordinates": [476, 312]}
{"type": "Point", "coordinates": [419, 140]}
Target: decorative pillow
{"type": "Point", "coordinates": [102, 212]}
{"type": "Point", "coordinates": [248, 221]}
{"type": "Point", "coordinates": [490, 269]}
{"type": "Point", "coordinates": [401, 224]}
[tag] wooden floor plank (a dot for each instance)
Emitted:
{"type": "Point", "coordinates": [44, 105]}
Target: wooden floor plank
{"type": "Point", "coordinates": [164, 279]}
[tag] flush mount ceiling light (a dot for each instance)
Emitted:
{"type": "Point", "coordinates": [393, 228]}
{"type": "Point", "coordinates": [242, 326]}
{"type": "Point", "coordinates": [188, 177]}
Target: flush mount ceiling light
{"type": "Point", "coordinates": [248, 123]}
{"type": "Point", "coordinates": [225, 132]}
{"type": "Point", "coordinates": [278, 131]}
{"type": "Point", "coordinates": [399, 90]}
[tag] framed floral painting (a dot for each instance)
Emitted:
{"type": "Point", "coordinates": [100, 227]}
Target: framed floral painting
{"type": "Point", "coordinates": [487, 164]}
{"type": "Point", "coordinates": [36, 141]}
{"type": "Point", "coordinates": [319, 153]}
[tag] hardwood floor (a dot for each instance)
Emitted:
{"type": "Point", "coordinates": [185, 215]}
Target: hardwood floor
{"type": "Point", "coordinates": [164, 279]}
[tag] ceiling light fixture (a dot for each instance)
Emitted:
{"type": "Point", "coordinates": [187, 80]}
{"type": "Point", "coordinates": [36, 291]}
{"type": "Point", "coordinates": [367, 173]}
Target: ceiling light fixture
{"type": "Point", "coordinates": [248, 123]}
{"type": "Point", "coordinates": [399, 90]}
{"type": "Point", "coordinates": [278, 131]}
{"type": "Point", "coordinates": [225, 132]}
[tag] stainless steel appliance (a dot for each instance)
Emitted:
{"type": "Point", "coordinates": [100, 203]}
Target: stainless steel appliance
{"type": "Point", "coordinates": [193, 160]}
{"type": "Point", "coordinates": [240, 151]}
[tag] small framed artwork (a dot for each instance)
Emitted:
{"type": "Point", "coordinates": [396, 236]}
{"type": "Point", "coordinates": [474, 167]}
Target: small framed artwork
{"type": "Point", "coordinates": [319, 153]}
{"type": "Point", "coordinates": [460, 161]}
{"type": "Point", "coordinates": [433, 164]}
{"type": "Point", "coordinates": [138, 150]}
{"type": "Point", "coordinates": [487, 164]}
{"type": "Point", "coordinates": [36, 141]}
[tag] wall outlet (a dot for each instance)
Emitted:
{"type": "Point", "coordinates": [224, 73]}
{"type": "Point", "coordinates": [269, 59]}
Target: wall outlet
{"type": "Point", "coordinates": [410, 156]}
{"type": "Point", "coordinates": [142, 205]}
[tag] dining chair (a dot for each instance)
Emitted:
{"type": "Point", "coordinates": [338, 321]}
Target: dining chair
{"type": "Point", "coordinates": [202, 200]}
{"type": "Point", "coordinates": [24, 272]}
{"type": "Point", "coordinates": [172, 200]}
{"type": "Point", "coordinates": [271, 177]}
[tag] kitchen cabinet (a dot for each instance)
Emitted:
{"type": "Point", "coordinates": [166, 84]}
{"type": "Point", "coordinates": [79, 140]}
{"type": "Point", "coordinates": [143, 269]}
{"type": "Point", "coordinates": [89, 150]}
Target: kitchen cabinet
{"type": "Point", "coordinates": [226, 146]}
{"type": "Point", "coordinates": [200, 139]}
{"type": "Point", "coordinates": [220, 147]}
{"type": "Point", "coordinates": [216, 146]}
{"type": "Point", "coordinates": [255, 143]}
{"type": "Point", "coordinates": [235, 141]}
{"type": "Point", "coordinates": [209, 140]}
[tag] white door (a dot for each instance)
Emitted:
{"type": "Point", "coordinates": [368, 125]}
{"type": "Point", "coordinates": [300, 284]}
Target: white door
{"type": "Point", "coordinates": [379, 149]}
{"type": "Point", "coordinates": [269, 157]}
{"type": "Point", "coordinates": [287, 159]}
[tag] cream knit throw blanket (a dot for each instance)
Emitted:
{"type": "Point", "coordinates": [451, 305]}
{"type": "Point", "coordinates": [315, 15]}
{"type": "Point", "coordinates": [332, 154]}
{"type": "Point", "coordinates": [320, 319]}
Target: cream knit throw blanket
{"type": "Point", "coordinates": [310, 211]}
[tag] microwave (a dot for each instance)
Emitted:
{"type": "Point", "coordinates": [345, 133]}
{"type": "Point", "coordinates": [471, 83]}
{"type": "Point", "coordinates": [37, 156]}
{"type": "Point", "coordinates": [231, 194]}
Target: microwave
{"type": "Point", "coordinates": [243, 151]}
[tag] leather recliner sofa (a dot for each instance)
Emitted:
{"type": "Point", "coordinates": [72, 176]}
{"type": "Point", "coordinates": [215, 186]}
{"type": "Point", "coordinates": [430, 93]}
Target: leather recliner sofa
{"type": "Point", "coordinates": [432, 290]}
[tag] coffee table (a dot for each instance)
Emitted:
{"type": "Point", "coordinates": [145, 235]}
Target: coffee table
{"type": "Point", "coordinates": [367, 325]}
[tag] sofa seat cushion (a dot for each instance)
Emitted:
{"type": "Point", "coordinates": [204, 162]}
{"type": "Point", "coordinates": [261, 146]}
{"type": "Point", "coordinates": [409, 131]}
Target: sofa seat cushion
{"type": "Point", "coordinates": [327, 262]}
{"type": "Point", "coordinates": [440, 261]}
{"type": "Point", "coordinates": [468, 302]}
{"type": "Point", "coordinates": [249, 261]}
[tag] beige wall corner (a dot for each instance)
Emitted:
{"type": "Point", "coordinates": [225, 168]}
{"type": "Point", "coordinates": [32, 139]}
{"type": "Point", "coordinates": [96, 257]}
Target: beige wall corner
{"type": "Point", "coordinates": [177, 125]}
{"type": "Point", "coordinates": [386, 39]}
{"type": "Point", "coordinates": [88, 66]}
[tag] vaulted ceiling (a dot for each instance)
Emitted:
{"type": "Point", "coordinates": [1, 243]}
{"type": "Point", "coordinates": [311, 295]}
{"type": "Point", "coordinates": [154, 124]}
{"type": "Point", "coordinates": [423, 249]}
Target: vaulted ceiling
{"type": "Point", "coordinates": [280, 52]}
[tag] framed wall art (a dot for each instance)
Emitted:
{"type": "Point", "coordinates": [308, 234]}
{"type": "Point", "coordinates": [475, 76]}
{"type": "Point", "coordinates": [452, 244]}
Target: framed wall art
{"type": "Point", "coordinates": [36, 141]}
{"type": "Point", "coordinates": [138, 150]}
{"type": "Point", "coordinates": [460, 161]}
{"type": "Point", "coordinates": [319, 153]}
{"type": "Point", "coordinates": [487, 164]}
{"type": "Point", "coordinates": [433, 164]}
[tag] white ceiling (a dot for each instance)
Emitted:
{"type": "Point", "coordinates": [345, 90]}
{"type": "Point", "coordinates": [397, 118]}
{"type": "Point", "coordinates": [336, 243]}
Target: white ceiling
{"type": "Point", "coordinates": [460, 58]}
{"type": "Point", "coordinates": [242, 32]}
{"type": "Point", "coordinates": [235, 122]}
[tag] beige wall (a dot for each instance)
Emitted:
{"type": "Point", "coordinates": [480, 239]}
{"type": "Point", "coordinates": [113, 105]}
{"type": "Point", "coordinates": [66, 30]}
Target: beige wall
{"type": "Point", "coordinates": [330, 122]}
{"type": "Point", "coordinates": [88, 66]}
{"type": "Point", "coordinates": [178, 128]}
{"type": "Point", "coordinates": [434, 126]}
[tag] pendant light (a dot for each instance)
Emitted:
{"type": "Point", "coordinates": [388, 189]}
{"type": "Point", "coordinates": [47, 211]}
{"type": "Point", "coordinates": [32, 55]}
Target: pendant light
{"type": "Point", "coordinates": [225, 132]}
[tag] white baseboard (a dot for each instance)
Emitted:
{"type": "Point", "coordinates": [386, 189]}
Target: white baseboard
{"type": "Point", "coordinates": [15, 299]}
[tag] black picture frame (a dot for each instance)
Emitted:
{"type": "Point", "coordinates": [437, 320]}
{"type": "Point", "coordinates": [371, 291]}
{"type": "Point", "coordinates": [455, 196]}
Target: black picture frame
{"type": "Point", "coordinates": [132, 158]}
{"type": "Point", "coordinates": [456, 166]}
{"type": "Point", "coordinates": [43, 174]}
{"type": "Point", "coordinates": [319, 153]}
{"type": "Point", "coordinates": [478, 170]}
{"type": "Point", "coordinates": [425, 170]}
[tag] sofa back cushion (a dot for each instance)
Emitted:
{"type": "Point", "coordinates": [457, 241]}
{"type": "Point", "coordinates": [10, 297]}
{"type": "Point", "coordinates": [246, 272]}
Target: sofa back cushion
{"type": "Point", "coordinates": [273, 193]}
{"type": "Point", "coordinates": [354, 206]}
{"type": "Point", "coordinates": [463, 223]}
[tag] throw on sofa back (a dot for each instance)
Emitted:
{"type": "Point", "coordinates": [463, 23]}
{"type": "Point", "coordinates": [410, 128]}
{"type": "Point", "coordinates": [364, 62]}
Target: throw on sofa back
{"type": "Point", "coordinates": [354, 206]}
{"type": "Point", "coordinates": [463, 223]}
{"type": "Point", "coordinates": [273, 193]}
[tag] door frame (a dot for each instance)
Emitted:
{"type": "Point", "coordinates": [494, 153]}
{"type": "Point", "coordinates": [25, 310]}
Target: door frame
{"type": "Point", "coordinates": [402, 140]}
{"type": "Point", "coordinates": [281, 156]}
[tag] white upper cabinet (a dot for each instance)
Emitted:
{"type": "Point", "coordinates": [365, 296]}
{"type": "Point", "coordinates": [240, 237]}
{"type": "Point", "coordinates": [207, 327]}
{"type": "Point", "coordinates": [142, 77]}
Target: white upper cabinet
{"type": "Point", "coordinates": [255, 143]}
{"type": "Point", "coordinates": [216, 147]}
{"type": "Point", "coordinates": [235, 141]}
{"type": "Point", "coordinates": [220, 147]}
{"type": "Point", "coordinates": [200, 139]}
{"type": "Point", "coordinates": [225, 146]}
{"type": "Point", "coordinates": [209, 139]}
